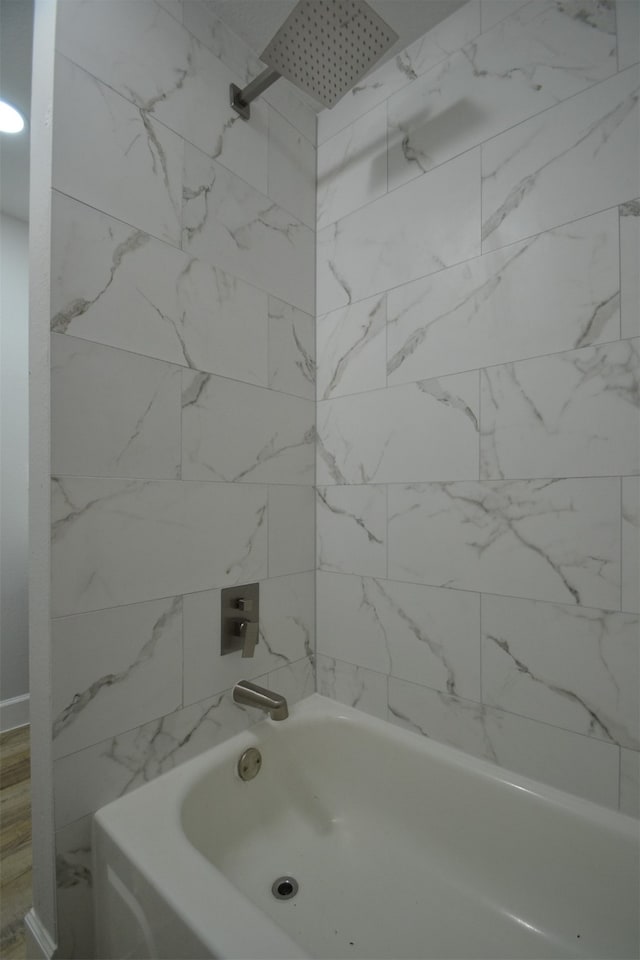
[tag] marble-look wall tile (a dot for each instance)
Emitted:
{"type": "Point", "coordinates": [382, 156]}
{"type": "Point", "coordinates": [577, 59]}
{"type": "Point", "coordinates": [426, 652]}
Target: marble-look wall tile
{"type": "Point", "coordinates": [294, 681]}
{"type": "Point", "coordinates": [117, 159]}
{"type": "Point", "coordinates": [629, 267]}
{"type": "Point", "coordinates": [352, 167]}
{"type": "Point", "coordinates": [291, 169]}
{"type": "Point", "coordinates": [287, 633]}
{"type": "Point", "coordinates": [493, 11]}
{"type": "Point", "coordinates": [352, 348]}
{"type": "Point", "coordinates": [175, 8]}
{"type": "Point", "coordinates": [236, 432]}
{"type": "Point", "coordinates": [425, 52]}
{"type": "Point", "coordinates": [144, 54]}
{"type": "Point", "coordinates": [630, 782]}
{"type": "Point", "coordinates": [292, 350]}
{"type": "Point", "coordinates": [86, 780]}
{"type": "Point", "coordinates": [74, 882]}
{"type": "Point", "coordinates": [569, 761]}
{"type": "Point", "coordinates": [294, 105]}
{"type": "Point", "coordinates": [222, 323]}
{"type": "Point", "coordinates": [292, 542]}
{"type": "Point", "coordinates": [113, 413]}
{"type": "Point", "coordinates": [419, 431]}
{"type": "Point", "coordinates": [200, 18]}
{"type": "Point", "coordinates": [116, 285]}
{"type": "Point", "coordinates": [573, 667]}
{"type": "Point", "coordinates": [631, 544]}
{"type": "Point", "coordinates": [494, 308]}
{"type": "Point", "coordinates": [351, 529]}
{"type": "Point", "coordinates": [628, 22]}
{"type": "Point", "coordinates": [570, 414]}
{"type": "Point", "coordinates": [541, 55]}
{"type": "Point", "coordinates": [113, 670]}
{"type": "Point", "coordinates": [555, 540]}
{"type": "Point", "coordinates": [121, 541]}
{"type": "Point", "coordinates": [356, 686]}
{"type": "Point", "coordinates": [418, 229]}
{"type": "Point", "coordinates": [406, 630]}
{"type": "Point", "coordinates": [230, 224]}
{"type": "Point", "coordinates": [579, 157]}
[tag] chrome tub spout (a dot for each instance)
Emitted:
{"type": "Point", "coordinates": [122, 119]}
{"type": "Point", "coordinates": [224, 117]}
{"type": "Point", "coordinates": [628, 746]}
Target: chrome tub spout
{"type": "Point", "coordinates": [251, 695]}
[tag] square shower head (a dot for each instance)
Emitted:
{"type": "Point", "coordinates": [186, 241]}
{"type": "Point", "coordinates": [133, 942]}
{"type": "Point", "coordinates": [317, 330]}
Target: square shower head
{"type": "Point", "coordinates": [326, 46]}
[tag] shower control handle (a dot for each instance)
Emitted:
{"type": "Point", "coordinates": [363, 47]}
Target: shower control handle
{"type": "Point", "coordinates": [240, 619]}
{"type": "Point", "coordinates": [248, 633]}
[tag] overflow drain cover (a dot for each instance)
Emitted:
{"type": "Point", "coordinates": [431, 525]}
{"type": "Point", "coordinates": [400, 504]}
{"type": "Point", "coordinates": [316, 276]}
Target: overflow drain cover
{"type": "Point", "coordinates": [284, 888]}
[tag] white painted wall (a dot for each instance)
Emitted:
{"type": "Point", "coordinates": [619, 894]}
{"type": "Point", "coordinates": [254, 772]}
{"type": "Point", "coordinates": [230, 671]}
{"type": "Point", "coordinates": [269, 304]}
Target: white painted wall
{"type": "Point", "coordinates": [14, 380]}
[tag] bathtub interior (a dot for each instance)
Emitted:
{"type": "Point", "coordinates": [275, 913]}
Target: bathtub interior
{"type": "Point", "coordinates": [404, 853]}
{"type": "Point", "coordinates": [401, 848]}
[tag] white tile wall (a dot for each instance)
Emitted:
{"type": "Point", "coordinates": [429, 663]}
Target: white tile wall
{"type": "Point", "coordinates": [476, 268]}
{"type": "Point", "coordinates": [629, 273]}
{"type": "Point", "coordinates": [531, 61]}
{"type": "Point", "coordinates": [351, 529]}
{"type": "Point", "coordinates": [357, 257]}
{"type": "Point", "coordinates": [529, 656]}
{"type": "Point", "coordinates": [183, 375]}
{"type": "Point", "coordinates": [114, 414]}
{"type": "Point", "coordinates": [570, 161]}
{"type": "Point", "coordinates": [385, 436]}
{"type": "Point", "coordinates": [292, 350]}
{"type": "Point", "coordinates": [563, 759]}
{"type": "Point", "coordinates": [236, 432]}
{"type": "Point", "coordinates": [198, 534]}
{"type": "Point", "coordinates": [494, 308]}
{"type": "Point", "coordinates": [570, 414]}
{"type": "Point", "coordinates": [114, 669]}
{"type": "Point", "coordinates": [631, 544]}
{"type": "Point", "coordinates": [228, 222]}
{"type": "Point", "coordinates": [169, 75]}
{"type": "Point", "coordinates": [291, 169]}
{"type": "Point", "coordinates": [291, 529]}
{"type": "Point", "coordinates": [352, 348]}
{"type": "Point", "coordinates": [118, 159]}
{"type": "Point", "coordinates": [628, 19]}
{"type": "Point", "coordinates": [555, 540]}
{"type": "Point", "coordinates": [505, 621]}
{"type": "Point", "coordinates": [405, 630]}
{"type": "Point", "coordinates": [352, 167]}
{"type": "Point", "coordinates": [353, 685]}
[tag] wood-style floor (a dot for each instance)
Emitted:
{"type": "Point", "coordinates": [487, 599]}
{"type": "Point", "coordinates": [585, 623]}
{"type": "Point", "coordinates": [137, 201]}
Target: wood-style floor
{"type": "Point", "coordinates": [15, 841]}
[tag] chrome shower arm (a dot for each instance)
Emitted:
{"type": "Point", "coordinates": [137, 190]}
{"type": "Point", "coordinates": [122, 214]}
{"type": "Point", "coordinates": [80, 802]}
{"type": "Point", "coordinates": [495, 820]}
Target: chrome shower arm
{"type": "Point", "coordinates": [240, 99]}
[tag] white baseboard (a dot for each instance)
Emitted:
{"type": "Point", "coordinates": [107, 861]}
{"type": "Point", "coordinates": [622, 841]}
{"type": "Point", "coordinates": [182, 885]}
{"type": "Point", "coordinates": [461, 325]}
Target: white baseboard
{"type": "Point", "coordinates": [39, 944]}
{"type": "Point", "coordinates": [14, 712]}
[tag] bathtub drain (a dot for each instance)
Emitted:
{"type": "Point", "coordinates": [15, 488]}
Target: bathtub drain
{"type": "Point", "coordinates": [284, 888]}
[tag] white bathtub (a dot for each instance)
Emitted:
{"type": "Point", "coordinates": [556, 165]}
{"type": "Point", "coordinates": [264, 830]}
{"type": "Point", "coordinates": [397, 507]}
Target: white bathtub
{"type": "Point", "coordinates": [401, 848]}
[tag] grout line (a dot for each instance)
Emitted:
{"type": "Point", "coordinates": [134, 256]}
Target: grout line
{"type": "Point", "coordinates": [621, 299]}
{"type": "Point", "coordinates": [478, 256]}
{"type": "Point", "coordinates": [483, 367]}
{"type": "Point", "coordinates": [479, 144]}
{"type": "Point", "coordinates": [621, 535]}
{"type": "Point", "coordinates": [480, 619]}
{"type": "Point", "coordinates": [480, 371]}
{"type": "Point", "coordinates": [485, 593]}
{"type": "Point", "coordinates": [183, 367]}
{"type": "Point", "coordinates": [179, 249]}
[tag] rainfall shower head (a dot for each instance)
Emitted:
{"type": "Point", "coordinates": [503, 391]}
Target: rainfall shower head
{"type": "Point", "coordinates": [324, 47]}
